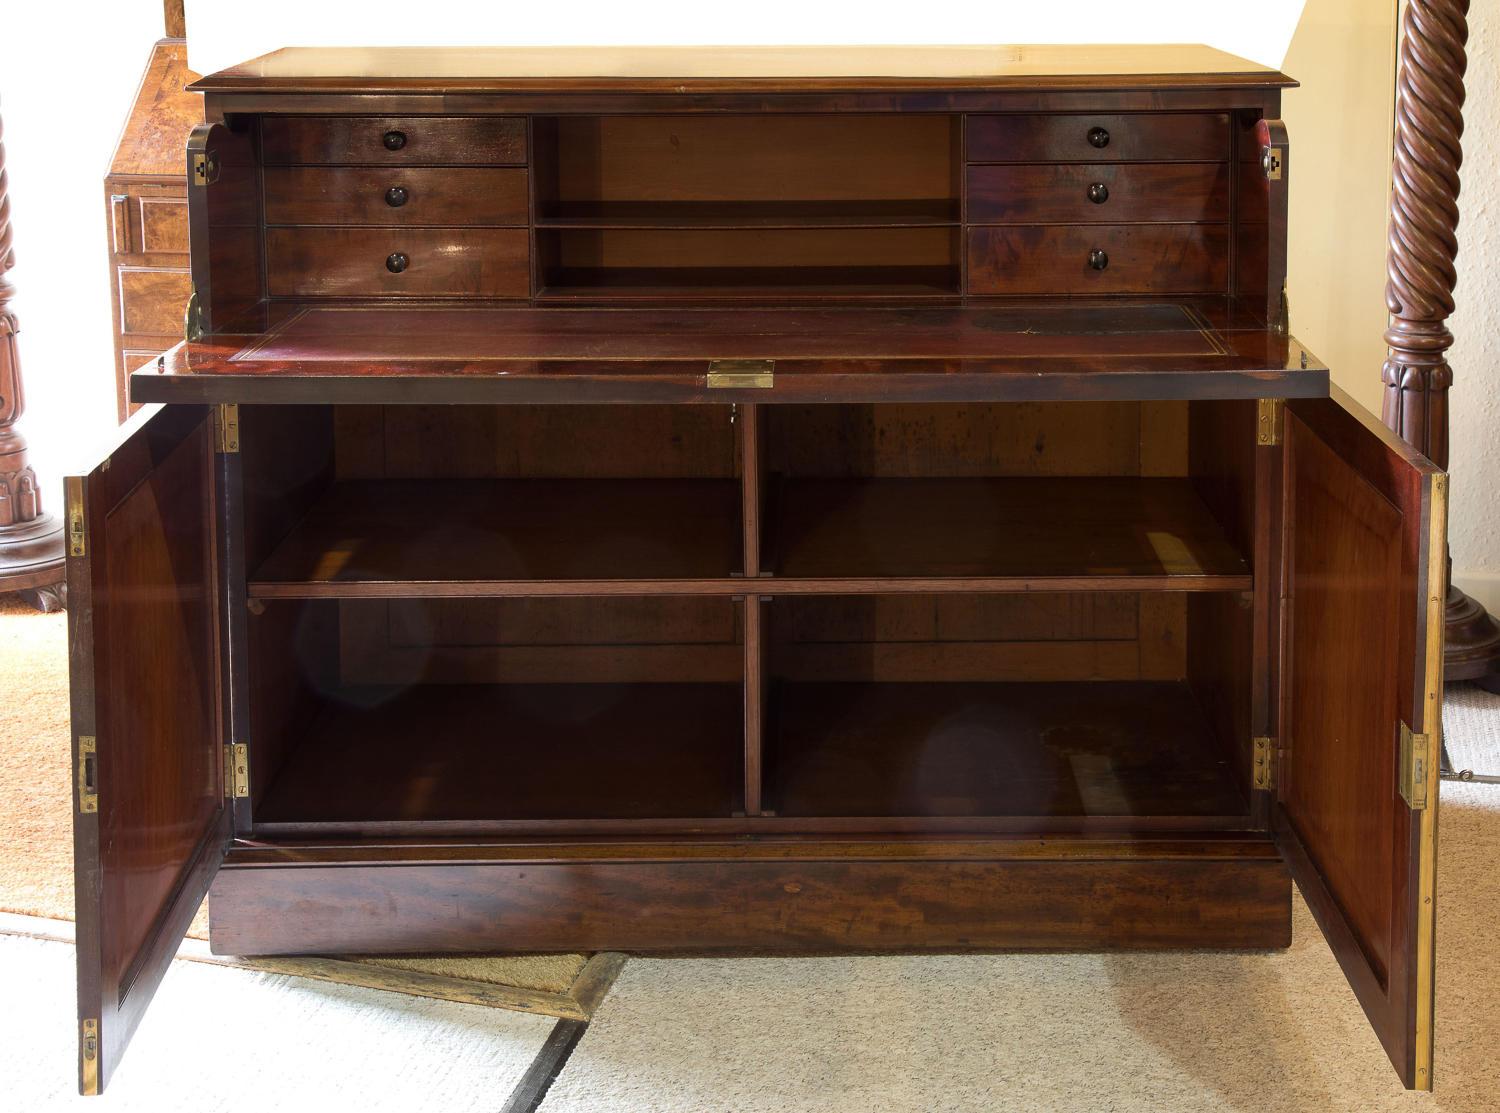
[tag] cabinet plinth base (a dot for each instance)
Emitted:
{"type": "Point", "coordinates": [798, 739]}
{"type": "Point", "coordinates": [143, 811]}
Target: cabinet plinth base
{"type": "Point", "coordinates": [780, 906]}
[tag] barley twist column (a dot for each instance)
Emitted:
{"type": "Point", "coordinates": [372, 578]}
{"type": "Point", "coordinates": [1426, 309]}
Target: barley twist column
{"type": "Point", "coordinates": [31, 542]}
{"type": "Point", "coordinates": [1421, 248]}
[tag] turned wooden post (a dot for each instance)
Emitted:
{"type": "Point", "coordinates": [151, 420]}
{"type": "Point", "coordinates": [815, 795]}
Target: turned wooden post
{"type": "Point", "coordinates": [1422, 246]}
{"type": "Point", "coordinates": [31, 543]}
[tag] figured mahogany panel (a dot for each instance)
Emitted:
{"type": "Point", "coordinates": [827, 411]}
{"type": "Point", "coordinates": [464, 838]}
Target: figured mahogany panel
{"type": "Point", "coordinates": [719, 905]}
{"type": "Point", "coordinates": [410, 195]}
{"type": "Point", "coordinates": [152, 299]}
{"type": "Point", "coordinates": [1098, 193]}
{"type": "Point", "coordinates": [1137, 259]}
{"type": "Point", "coordinates": [1087, 137]}
{"type": "Point", "coordinates": [393, 141]}
{"type": "Point", "coordinates": [146, 692]}
{"type": "Point", "coordinates": [433, 262]}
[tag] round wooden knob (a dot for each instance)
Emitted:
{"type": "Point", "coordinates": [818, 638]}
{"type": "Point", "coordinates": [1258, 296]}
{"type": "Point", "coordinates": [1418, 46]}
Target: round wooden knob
{"type": "Point", "coordinates": [394, 140]}
{"type": "Point", "coordinates": [396, 196]}
{"type": "Point", "coordinates": [396, 262]}
{"type": "Point", "coordinates": [1098, 259]}
{"type": "Point", "coordinates": [1098, 193]}
{"type": "Point", "coordinates": [1099, 137]}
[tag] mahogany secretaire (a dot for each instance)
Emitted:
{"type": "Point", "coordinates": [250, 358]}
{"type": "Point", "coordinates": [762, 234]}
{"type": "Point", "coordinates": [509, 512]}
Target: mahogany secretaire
{"type": "Point", "coordinates": [750, 500]}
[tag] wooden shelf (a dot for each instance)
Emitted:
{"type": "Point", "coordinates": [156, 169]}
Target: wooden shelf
{"type": "Point", "coordinates": [1085, 533]}
{"type": "Point", "coordinates": [444, 536]}
{"type": "Point", "coordinates": [439, 752]}
{"type": "Point", "coordinates": [760, 284]}
{"type": "Point", "coordinates": [940, 212]}
{"type": "Point", "coordinates": [1088, 749]}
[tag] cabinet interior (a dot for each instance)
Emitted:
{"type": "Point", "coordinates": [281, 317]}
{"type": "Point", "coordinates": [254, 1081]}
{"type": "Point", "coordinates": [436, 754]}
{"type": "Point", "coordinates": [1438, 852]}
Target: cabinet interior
{"type": "Point", "coordinates": [988, 616]}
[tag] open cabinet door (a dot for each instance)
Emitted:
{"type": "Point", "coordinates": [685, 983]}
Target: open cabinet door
{"type": "Point", "coordinates": [1360, 707]}
{"type": "Point", "coordinates": [150, 821]}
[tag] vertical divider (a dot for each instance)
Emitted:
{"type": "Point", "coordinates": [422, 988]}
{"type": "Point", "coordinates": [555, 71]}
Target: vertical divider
{"type": "Point", "coordinates": [754, 605]}
{"type": "Point", "coordinates": [750, 486]}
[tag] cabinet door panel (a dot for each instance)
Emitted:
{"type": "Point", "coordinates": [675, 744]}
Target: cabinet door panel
{"type": "Point", "coordinates": [1363, 582]}
{"type": "Point", "coordinates": [150, 821]}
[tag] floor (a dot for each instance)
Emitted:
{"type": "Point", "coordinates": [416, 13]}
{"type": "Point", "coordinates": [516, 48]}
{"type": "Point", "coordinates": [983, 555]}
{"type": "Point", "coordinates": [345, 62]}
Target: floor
{"type": "Point", "coordinates": [1170, 1032]}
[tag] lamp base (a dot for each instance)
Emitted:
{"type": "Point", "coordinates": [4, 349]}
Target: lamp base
{"type": "Point", "coordinates": [31, 562]}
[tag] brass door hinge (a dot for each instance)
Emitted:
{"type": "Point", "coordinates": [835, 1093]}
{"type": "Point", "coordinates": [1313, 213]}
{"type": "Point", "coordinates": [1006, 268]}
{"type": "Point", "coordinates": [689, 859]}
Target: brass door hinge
{"type": "Point", "coordinates": [227, 427]}
{"type": "Point", "coordinates": [88, 1050]}
{"type": "Point", "coordinates": [1268, 421]}
{"type": "Point", "coordinates": [236, 770]}
{"type": "Point", "coordinates": [728, 374]}
{"type": "Point", "coordinates": [77, 523]}
{"type": "Point", "coordinates": [205, 168]}
{"type": "Point", "coordinates": [1272, 160]}
{"type": "Point", "coordinates": [1416, 752]}
{"type": "Point", "coordinates": [1265, 764]}
{"type": "Point", "coordinates": [88, 774]}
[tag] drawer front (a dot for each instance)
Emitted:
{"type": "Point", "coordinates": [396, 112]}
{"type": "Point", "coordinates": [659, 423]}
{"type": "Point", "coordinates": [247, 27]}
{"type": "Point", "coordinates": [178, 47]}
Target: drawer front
{"type": "Point", "coordinates": [394, 141]}
{"type": "Point", "coordinates": [164, 224]}
{"type": "Point", "coordinates": [1094, 193]}
{"type": "Point", "coordinates": [397, 196]}
{"type": "Point", "coordinates": [152, 299]}
{"type": "Point", "coordinates": [440, 262]}
{"type": "Point", "coordinates": [1140, 137]}
{"type": "Point", "coordinates": [1141, 258]}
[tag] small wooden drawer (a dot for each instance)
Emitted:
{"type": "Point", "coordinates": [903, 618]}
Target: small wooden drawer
{"type": "Point", "coordinates": [1139, 259]}
{"type": "Point", "coordinates": [397, 196]}
{"type": "Point", "coordinates": [388, 140]}
{"type": "Point", "coordinates": [1139, 137]}
{"type": "Point", "coordinates": [152, 299]}
{"type": "Point", "coordinates": [1084, 193]}
{"type": "Point", "coordinates": [416, 262]}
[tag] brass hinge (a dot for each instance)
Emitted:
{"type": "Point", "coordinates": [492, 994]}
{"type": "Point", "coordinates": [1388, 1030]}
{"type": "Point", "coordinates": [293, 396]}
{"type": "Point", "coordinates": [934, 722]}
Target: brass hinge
{"type": "Point", "coordinates": [1265, 764]}
{"type": "Point", "coordinates": [1271, 160]}
{"type": "Point", "coordinates": [1416, 752]}
{"type": "Point", "coordinates": [192, 319]}
{"type": "Point", "coordinates": [236, 770]}
{"type": "Point", "coordinates": [88, 773]}
{"type": "Point", "coordinates": [741, 373]}
{"type": "Point", "coordinates": [77, 523]}
{"type": "Point", "coordinates": [227, 427]}
{"type": "Point", "coordinates": [1268, 421]}
{"type": "Point", "coordinates": [89, 1051]}
{"type": "Point", "coordinates": [205, 168]}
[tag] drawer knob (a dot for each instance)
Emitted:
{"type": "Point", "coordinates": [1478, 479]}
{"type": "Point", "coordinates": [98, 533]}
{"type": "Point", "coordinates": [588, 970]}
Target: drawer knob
{"type": "Point", "coordinates": [396, 262]}
{"type": "Point", "coordinates": [1098, 193]}
{"type": "Point", "coordinates": [1099, 137]}
{"type": "Point", "coordinates": [394, 140]}
{"type": "Point", "coordinates": [1098, 259]}
{"type": "Point", "coordinates": [395, 197]}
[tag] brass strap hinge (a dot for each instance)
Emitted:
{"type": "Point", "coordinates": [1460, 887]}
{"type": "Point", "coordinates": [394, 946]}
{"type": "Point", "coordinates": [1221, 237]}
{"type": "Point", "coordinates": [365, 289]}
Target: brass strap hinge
{"type": "Point", "coordinates": [77, 524]}
{"type": "Point", "coordinates": [88, 774]}
{"type": "Point", "coordinates": [730, 374]}
{"type": "Point", "coordinates": [1265, 764]}
{"type": "Point", "coordinates": [1268, 414]}
{"type": "Point", "coordinates": [88, 1052]}
{"type": "Point", "coordinates": [227, 427]}
{"type": "Point", "coordinates": [236, 770]}
{"type": "Point", "coordinates": [1416, 752]}
{"type": "Point", "coordinates": [205, 168]}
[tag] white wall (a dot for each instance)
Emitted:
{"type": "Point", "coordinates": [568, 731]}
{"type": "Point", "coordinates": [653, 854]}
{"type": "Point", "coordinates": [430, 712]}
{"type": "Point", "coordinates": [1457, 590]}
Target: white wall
{"type": "Point", "coordinates": [1474, 519]}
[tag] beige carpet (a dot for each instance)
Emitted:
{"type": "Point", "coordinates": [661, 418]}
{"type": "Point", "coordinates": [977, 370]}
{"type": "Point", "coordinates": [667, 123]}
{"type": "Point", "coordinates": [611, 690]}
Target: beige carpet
{"type": "Point", "coordinates": [1175, 1033]}
{"type": "Point", "coordinates": [36, 831]}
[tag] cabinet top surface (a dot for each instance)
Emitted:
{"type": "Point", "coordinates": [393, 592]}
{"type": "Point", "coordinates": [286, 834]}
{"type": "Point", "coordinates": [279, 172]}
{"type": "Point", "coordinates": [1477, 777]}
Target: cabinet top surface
{"type": "Point", "coordinates": [700, 68]}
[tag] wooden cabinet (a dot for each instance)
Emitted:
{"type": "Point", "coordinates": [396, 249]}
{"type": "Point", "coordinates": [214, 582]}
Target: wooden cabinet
{"type": "Point", "coordinates": [736, 510]}
{"type": "Point", "coordinates": [145, 197]}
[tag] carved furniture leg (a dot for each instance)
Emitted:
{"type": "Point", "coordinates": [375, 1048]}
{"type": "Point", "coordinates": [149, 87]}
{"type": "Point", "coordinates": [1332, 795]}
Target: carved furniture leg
{"type": "Point", "coordinates": [31, 542]}
{"type": "Point", "coordinates": [1421, 276]}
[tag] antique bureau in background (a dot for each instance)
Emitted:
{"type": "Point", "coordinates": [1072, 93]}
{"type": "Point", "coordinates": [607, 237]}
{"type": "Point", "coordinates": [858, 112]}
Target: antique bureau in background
{"type": "Point", "coordinates": [750, 500]}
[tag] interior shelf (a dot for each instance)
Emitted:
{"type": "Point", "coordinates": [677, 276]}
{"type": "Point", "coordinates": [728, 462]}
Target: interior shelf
{"type": "Point", "coordinates": [395, 536]}
{"type": "Point", "coordinates": [438, 752]}
{"type": "Point", "coordinates": [938, 212]}
{"type": "Point", "coordinates": [761, 284]}
{"type": "Point", "coordinates": [1098, 531]}
{"type": "Point", "coordinates": [999, 749]}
